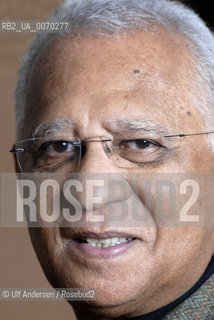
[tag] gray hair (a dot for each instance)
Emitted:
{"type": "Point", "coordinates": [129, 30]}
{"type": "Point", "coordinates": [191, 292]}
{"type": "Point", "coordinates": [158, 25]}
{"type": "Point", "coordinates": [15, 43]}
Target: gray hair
{"type": "Point", "coordinates": [115, 18]}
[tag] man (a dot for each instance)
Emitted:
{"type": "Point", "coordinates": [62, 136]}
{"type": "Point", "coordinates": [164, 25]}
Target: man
{"type": "Point", "coordinates": [112, 97]}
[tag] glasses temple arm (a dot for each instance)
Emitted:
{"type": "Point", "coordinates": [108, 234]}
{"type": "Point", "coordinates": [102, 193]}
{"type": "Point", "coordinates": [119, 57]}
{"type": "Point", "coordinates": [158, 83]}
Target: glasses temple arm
{"type": "Point", "coordinates": [187, 134]}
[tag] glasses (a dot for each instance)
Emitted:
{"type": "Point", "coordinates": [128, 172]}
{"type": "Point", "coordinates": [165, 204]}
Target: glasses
{"type": "Point", "coordinates": [48, 154]}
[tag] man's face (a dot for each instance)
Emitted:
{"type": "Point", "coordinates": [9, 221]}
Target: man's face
{"type": "Point", "coordinates": [94, 83]}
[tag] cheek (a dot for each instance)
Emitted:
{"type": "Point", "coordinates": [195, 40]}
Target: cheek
{"type": "Point", "coordinates": [47, 249]}
{"type": "Point", "coordinates": [190, 247]}
{"type": "Point", "coordinates": [170, 200]}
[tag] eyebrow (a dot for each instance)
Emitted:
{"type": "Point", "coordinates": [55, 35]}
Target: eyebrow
{"type": "Point", "coordinates": [55, 127]}
{"type": "Point", "coordinates": [141, 125]}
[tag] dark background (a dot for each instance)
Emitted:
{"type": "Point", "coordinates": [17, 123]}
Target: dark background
{"type": "Point", "coordinates": [204, 9]}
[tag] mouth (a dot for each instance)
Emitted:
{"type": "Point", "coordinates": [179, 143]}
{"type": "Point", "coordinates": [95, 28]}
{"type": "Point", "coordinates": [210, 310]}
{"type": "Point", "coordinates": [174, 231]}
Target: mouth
{"type": "Point", "coordinates": [102, 245]}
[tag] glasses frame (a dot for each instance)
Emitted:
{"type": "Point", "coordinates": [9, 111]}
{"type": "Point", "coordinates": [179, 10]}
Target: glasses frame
{"type": "Point", "coordinates": [79, 143]}
{"type": "Point", "coordinates": [186, 134]}
{"type": "Point", "coordinates": [97, 139]}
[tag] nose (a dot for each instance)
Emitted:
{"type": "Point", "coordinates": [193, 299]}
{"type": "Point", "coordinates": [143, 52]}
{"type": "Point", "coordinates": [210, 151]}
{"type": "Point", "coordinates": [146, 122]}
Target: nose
{"type": "Point", "coordinates": [93, 146]}
{"type": "Point", "coordinates": [102, 182]}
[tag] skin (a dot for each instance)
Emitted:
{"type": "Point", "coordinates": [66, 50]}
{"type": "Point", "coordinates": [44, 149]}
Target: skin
{"type": "Point", "coordinates": [91, 80]}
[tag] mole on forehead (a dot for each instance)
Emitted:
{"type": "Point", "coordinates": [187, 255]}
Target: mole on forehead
{"type": "Point", "coordinates": [136, 71]}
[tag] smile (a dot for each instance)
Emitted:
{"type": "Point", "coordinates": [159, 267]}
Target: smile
{"type": "Point", "coordinates": [104, 243]}
{"type": "Point", "coordinates": [92, 243]}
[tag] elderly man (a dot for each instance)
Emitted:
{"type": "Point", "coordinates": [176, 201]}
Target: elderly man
{"type": "Point", "coordinates": [127, 92]}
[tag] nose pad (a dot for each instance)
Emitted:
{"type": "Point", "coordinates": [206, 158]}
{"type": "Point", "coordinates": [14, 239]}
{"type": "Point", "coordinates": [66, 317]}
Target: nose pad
{"type": "Point", "coordinates": [95, 157]}
{"type": "Point", "coordinates": [83, 151]}
{"type": "Point", "coordinates": [104, 142]}
{"type": "Point", "coordinates": [107, 149]}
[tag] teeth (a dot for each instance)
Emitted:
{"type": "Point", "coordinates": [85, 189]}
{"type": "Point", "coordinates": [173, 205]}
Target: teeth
{"type": "Point", "coordinates": [114, 240]}
{"type": "Point", "coordinates": [123, 240]}
{"type": "Point", "coordinates": [93, 244]}
{"type": "Point", "coordinates": [106, 243]}
{"type": "Point", "coordinates": [89, 240]}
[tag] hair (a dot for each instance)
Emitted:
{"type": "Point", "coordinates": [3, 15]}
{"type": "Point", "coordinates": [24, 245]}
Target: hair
{"type": "Point", "coordinates": [114, 18]}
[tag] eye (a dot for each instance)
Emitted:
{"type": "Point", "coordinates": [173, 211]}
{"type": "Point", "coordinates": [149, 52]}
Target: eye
{"type": "Point", "coordinates": [53, 154]}
{"type": "Point", "coordinates": [139, 151]}
{"type": "Point", "coordinates": [138, 144]}
{"type": "Point", "coordinates": [56, 148]}
{"type": "Point", "coordinates": [59, 147]}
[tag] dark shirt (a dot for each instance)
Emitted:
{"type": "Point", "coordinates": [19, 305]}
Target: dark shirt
{"type": "Point", "coordinates": [160, 313]}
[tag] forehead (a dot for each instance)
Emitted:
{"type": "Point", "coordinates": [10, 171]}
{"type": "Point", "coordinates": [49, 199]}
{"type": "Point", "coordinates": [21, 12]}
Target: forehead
{"type": "Point", "coordinates": [91, 74]}
{"type": "Point", "coordinates": [159, 55]}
